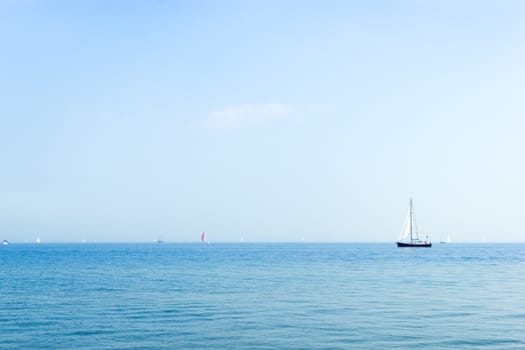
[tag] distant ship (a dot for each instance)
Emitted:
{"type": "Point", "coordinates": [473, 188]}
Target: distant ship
{"type": "Point", "coordinates": [38, 240]}
{"type": "Point", "coordinates": [5, 242]}
{"type": "Point", "coordinates": [160, 240]}
{"type": "Point", "coordinates": [409, 236]}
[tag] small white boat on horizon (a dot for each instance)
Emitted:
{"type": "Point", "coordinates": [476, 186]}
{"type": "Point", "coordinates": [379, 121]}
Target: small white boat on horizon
{"type": "Point", "coordinates": [446, 241]}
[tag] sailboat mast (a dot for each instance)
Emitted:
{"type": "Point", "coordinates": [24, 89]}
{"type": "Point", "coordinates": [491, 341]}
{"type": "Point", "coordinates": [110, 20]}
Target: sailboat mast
{"type": "Point", "coordinates": [411, 237]}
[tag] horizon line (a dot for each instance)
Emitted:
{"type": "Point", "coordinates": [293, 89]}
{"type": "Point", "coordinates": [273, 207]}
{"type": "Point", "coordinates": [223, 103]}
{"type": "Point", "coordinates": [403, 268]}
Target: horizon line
{"type": "Point", "coordinates": [250, 242]}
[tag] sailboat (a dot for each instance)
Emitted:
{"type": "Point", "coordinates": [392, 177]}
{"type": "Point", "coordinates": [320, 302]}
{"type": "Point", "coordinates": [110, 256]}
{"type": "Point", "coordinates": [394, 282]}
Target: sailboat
{"type": "Point", "coordinates": [203, 238]}
{"type": "Point", "coordinates": [409, 236]}
{"type": "Point", "coordinates": [446, 241]}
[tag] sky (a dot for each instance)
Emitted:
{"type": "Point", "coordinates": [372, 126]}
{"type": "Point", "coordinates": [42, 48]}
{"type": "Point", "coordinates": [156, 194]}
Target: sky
{"type": "Point", "coordinates": [317, 121]}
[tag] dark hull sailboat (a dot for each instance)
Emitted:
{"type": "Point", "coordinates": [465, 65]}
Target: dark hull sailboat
{"type": "Point", "coordinates": [414, 244]}
{"type": "Point", "coordinates": [409, 237]}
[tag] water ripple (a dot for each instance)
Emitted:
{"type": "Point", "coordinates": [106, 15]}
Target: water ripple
{"type": "Point", "coordinates": [262, 296]}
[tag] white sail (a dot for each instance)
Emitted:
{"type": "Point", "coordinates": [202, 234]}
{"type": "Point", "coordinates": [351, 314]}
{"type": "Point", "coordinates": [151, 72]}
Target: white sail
{"type": "Point", "coordinates": [405, 230]}
{"type": "Point", "coordinates": [409, 230]}
{"type": "Point", "coordinates": [415, 235]}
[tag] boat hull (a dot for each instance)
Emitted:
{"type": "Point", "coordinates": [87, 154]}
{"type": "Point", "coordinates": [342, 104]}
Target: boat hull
{"type": "Point", "coordinates": [414, 245]}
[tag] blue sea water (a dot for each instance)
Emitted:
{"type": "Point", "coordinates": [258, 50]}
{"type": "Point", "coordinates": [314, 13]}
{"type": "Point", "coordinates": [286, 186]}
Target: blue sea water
{"type": "Point", "coordinates": [262, 296]}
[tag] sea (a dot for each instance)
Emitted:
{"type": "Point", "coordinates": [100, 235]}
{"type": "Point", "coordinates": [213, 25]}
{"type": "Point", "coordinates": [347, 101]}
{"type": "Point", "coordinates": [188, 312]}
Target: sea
{"type": "Point", "coordinates": [262, 296]}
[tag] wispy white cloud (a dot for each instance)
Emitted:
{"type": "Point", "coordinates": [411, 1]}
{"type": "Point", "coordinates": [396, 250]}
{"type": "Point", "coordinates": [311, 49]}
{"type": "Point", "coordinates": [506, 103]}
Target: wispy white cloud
{"type": "Point", "coordinates": [245, 115]}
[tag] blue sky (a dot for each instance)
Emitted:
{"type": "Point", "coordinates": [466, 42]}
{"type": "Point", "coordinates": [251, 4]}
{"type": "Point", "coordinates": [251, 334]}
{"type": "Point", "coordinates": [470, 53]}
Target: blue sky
{"type": "Point", "coordinates": [268, 120]}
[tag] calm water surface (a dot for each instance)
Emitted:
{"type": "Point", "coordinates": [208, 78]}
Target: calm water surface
{"type": "Point", "coordinates": [262, 296]}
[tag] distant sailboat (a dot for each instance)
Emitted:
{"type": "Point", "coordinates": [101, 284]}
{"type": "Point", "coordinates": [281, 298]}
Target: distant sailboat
{"type": "Point", "coordinates": [38, 240]}
{"type": "Point", "coordinates": [446, 241]}
{"type": "Point", "coordinates": [203, 238]}
{"type": "Point", "coordinates": [160, 240]}
{"type": "Point", "coordinates": [409, 236]}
